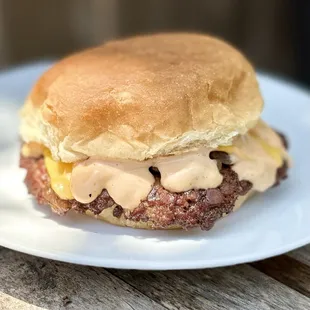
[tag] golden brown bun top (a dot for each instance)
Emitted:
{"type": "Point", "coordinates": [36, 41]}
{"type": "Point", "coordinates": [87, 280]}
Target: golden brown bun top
{"type": "Point", "coordinates": [143, 97]}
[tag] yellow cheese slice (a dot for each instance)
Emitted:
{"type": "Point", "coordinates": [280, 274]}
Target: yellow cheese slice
{"type": "Point", "coordinates": [60, 175]}
{"type": "Point", "coordinates": [274, 152]}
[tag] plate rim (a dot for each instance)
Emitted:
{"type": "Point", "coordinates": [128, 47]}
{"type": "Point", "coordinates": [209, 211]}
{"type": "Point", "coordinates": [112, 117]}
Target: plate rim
{"type": "Point", "coordinates": [152, 265]}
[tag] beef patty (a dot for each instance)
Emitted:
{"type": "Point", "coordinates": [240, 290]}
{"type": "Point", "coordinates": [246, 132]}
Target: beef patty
{"type": "Point", "coordinates": [193, 208]}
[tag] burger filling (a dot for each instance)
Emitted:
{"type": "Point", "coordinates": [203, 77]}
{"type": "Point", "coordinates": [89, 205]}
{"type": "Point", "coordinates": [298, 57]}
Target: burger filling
{"type": "Point", "coordinates": [189, 190]}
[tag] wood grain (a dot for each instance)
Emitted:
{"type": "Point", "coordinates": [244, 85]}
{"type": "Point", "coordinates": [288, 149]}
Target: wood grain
{"type": "Point", "coordinates": [28, 282]}
{"type": "Point", "coordinates": [8, 302]}
{"type": "Point", "coordinates": [238, 287]}
{"type": "Point", "coordinates": [288, 271]}
{"type": "Point", "coordinates": [53, 285]}
{"type": "Point", "coordinates": [302, 254]}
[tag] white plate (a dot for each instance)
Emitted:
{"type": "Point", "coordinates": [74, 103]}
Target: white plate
{"type": "Point", "coordinates": [269, 224]}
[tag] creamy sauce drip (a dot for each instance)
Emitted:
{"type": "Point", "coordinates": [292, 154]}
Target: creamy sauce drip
{"type": "Point", "coordinates": [190, 171]}
{"type": "Point", "coordinates": [256, 157]}
{"type": "Point", "coordinates": [126, 182]}
{"type": "Point", "coordinates": [129, 182]}
{"type": "Point", "coordinates": [263, 155]}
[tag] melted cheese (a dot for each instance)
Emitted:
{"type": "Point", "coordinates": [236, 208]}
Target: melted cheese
{"type": "Point", "coordinates": [256, 157]}
{"type": "Point", "coordinates": [60, 175]}
{"type": "Point", "coordinates": [274, 152]}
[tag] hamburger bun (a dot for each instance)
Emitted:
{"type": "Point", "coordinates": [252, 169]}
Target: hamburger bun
{"type": "Point", "coordinates": [143, 97]}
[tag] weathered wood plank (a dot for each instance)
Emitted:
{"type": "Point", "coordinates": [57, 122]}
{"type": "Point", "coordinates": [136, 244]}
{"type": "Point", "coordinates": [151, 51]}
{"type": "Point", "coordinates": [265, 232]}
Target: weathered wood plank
{"type": "Point", "coordinates": [288, 271]}
{"type": "Point", "coordinates": [302, 254]}
{"type": "Point", "coordinates": [53, 285]}
{"type": "Point", "coordinates": [8, 302]}
{"type": "Point", "coordinates": [238, 287]}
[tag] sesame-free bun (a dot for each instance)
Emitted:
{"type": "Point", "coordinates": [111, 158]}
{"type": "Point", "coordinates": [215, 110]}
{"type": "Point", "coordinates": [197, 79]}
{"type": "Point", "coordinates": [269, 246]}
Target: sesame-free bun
{"type": "Point", "coordinates": [143, 97]}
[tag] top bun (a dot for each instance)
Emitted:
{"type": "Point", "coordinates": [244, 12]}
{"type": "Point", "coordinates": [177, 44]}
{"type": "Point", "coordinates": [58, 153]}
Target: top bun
{"type": "Point", "coordinates": [143, 97]}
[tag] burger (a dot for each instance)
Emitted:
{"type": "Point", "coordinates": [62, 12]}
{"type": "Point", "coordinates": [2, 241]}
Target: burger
{"type": "Point", "coordinates": [159, 131]}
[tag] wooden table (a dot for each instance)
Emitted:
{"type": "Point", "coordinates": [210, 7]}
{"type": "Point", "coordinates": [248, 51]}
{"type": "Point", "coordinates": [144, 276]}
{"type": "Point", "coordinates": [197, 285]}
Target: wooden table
{"type": "Point", "coordinates": [28, 282]}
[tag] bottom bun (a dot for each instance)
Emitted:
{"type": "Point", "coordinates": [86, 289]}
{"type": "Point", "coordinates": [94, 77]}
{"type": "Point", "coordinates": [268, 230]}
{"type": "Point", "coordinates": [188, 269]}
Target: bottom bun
{"type": "Point", "coordinates": [107, 216]}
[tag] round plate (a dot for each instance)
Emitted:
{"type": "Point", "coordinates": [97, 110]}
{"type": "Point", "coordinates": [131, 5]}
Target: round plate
{"type": "Point", "coordinates": [269, 224]}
